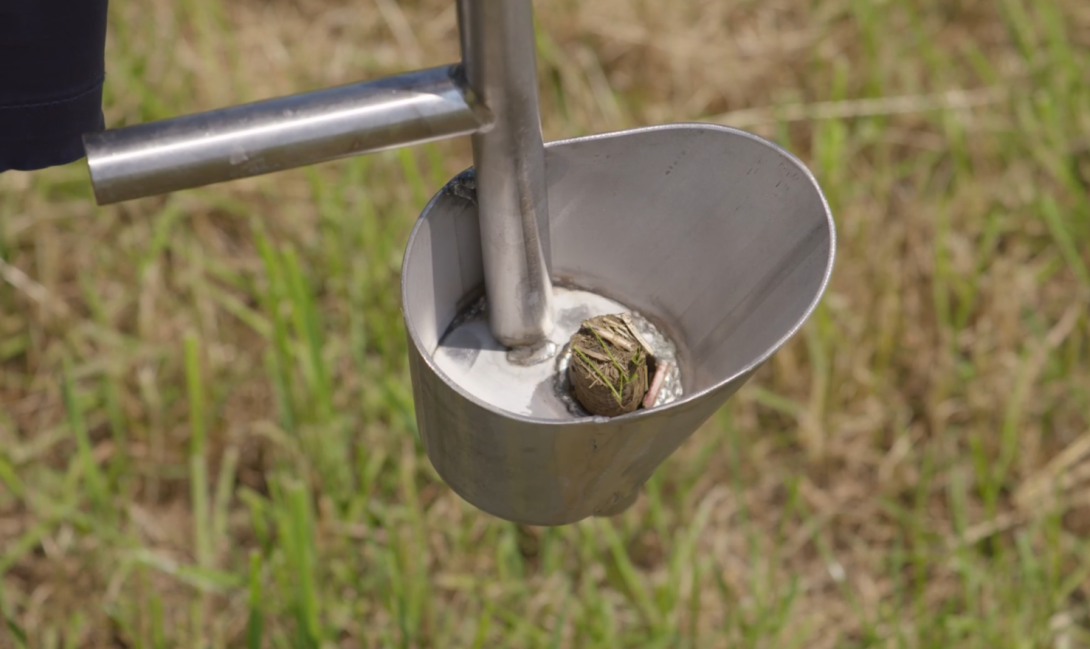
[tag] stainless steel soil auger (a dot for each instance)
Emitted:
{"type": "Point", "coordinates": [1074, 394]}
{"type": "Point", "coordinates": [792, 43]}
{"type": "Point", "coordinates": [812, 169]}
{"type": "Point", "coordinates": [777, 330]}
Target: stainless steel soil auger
{"type": "Point", "coordinates": [720, 242]}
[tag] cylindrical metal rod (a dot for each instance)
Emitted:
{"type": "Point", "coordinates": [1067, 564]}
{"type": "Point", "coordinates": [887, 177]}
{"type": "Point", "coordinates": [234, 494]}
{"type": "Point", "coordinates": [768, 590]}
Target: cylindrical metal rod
{"type": "Point", "coordinates": [282, 133]}
{"type": "Point", "coordinates": [498, 54]}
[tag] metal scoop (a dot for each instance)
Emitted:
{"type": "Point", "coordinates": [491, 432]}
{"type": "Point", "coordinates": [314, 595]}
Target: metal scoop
{"type": "Point", "coordinates": [720, 239]}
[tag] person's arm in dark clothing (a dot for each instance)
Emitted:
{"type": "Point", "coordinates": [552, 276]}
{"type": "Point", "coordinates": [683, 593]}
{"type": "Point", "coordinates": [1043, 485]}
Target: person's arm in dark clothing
{"type": "Point", "coordinates": [51, 74]}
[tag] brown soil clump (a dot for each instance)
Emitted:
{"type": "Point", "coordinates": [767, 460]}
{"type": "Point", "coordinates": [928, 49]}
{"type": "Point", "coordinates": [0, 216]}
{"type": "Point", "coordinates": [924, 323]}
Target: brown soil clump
{"type": "Point", "coordinates": [609, 366]}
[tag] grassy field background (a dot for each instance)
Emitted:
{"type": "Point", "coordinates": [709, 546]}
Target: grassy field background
{"type": "Point", "coordinates": [206, 427]}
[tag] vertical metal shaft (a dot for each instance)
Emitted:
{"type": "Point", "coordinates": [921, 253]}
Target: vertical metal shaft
{"type": "Point", "coordinates": [498, 52]}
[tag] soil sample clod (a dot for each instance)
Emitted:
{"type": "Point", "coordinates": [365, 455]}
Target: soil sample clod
{"type": "Point", "coordinates": [609, 365]}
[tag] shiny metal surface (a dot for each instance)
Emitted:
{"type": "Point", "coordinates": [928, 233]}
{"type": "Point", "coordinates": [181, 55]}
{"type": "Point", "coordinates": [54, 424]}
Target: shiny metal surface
{"type": "Point", "coordinates": [282, 133]}
{"type": "Point", "coordinates": [721, 238]}
{"type": "Point", "coordinates": [498, 53]}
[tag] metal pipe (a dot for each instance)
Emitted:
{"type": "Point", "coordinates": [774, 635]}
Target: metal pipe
{"type": "Point", "coordinates": [498, 52]}
{"type": "Point", "coordinates": [282, 133]}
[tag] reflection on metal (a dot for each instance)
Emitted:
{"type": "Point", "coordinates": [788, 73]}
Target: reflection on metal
{"type": "Point", "coordinates": [282, 133]}
{"type": "Point", "coordinates": [498, 55]}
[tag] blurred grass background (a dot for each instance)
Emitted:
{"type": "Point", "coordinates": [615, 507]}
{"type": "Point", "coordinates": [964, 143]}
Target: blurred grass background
{"type": "Point", "coordinates": [206, 427]}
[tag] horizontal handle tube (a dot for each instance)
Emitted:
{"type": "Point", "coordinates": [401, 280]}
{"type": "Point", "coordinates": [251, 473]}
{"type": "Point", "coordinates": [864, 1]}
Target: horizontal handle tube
{"type": "Point", "coordinates": [283, 133]}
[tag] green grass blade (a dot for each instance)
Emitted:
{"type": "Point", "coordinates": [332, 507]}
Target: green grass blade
{"type": "Point", "coordinates": [297, 524]}
{"type": "Point", "coordinates": [10, 479]}
{"type": "Point", "coordinates": [198, 464]}
{"type": "Point", "coordinates": [631, 578]}
{"type": "Point", "coordinates": [18, 634]}
{"type": "Point", "coordinates": [256, 621]}
{"type": "Point", "coordinates": [158, 634]}
{"type": "Point", "coordinates": [221, 502]}
{"type": "Point", "coordinates": [279, 360]}
{"type": "Point", "coordinates": [307, 327]}
{"type": "Point", "coordinates": [92, 476]}
{"type": "Point", "coordinates": [1062, 237]}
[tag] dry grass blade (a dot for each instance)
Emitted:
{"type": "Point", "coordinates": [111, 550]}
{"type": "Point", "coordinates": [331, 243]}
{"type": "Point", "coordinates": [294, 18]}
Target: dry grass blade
{"type": "Point", "coordinates": [956, 99]}
{"type": "Point", "coordinates": [635, 332]}
{"type": "Point", "coordinates": [1065, 471]}
{"type": "Point", "coordinates": [32, 289]}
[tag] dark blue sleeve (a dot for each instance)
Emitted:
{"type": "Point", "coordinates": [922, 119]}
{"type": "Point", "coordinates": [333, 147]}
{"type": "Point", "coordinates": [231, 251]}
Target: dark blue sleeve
{"type": "Point", "coordinates": [51, 73]}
